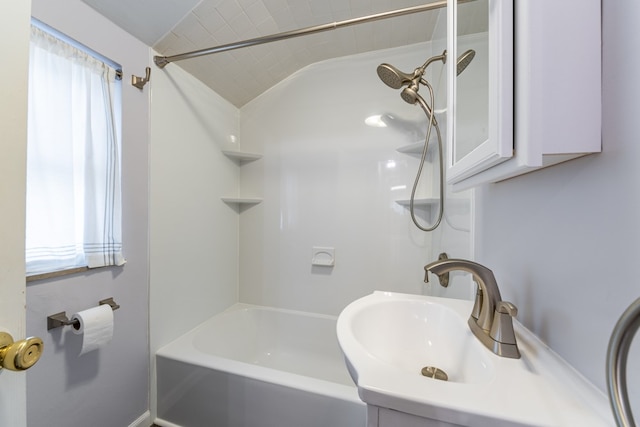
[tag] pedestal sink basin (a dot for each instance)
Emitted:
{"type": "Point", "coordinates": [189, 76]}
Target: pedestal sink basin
{"type": "Point", "coordinates": [388, 338]}
{"type": "Point", "coordinates": [410, 334]}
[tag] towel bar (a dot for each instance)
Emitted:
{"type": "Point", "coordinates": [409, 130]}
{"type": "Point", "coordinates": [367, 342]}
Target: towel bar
{"type": "Point", "coordinates": [617, 353]}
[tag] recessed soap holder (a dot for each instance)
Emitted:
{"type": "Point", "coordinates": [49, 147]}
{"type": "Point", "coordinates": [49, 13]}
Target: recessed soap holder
{"type": "Point", "coordinates": [323, 257]}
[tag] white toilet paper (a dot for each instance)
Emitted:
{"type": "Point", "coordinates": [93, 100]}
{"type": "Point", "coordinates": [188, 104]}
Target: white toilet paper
{"type": "Point", "coordinates": [96, 326]}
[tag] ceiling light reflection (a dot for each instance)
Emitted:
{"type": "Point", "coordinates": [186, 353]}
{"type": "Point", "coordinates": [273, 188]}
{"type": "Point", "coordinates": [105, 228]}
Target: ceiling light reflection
{"type": "Point", "coordinates": [375, 121]}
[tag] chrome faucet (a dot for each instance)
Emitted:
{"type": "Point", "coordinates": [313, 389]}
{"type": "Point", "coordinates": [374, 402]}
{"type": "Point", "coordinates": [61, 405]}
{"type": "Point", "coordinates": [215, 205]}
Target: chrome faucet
{"type": "Point", "coordinates": [491, 318]}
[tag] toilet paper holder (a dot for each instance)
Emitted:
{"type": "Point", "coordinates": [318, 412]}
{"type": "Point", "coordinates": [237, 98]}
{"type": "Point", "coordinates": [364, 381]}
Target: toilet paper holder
{"type": "Point", "coordinates": [60, 319]}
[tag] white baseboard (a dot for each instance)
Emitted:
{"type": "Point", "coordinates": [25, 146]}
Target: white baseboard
{"type": "Point", "coordinates": [143, 420]}
{"type": "Point", "coordinates": [163, 423]}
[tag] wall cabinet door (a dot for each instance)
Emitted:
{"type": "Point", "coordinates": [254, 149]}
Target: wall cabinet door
{"type": "Point", "coordinates": [542, 78]}
{"type": "Point", "coordinates": [480, 67]}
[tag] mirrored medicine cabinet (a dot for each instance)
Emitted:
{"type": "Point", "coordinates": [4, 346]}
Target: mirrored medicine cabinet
{"type": "Point", "coordinates": [524, 88]}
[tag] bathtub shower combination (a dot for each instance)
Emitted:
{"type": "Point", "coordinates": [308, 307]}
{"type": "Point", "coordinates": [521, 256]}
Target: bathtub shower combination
{"type": "Point", "coordinates": [257, 366]}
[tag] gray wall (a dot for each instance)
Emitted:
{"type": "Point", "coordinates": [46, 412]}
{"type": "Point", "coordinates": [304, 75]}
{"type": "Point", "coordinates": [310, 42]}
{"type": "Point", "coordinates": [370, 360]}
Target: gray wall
{"type": "Point", "coordinates": [564, 242]}
{"type": "Point", "coordinates": [108, 387]}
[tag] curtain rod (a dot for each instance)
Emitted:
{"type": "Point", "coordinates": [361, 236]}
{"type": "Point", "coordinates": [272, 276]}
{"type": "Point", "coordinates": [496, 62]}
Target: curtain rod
{"type": "Point", "coordinates": [162, 61]}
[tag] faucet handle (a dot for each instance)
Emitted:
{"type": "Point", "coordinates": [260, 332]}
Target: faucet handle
{"type": "Point", "coordinates": [506, 307]}
{"type": "Point", "coordinates": [502, 326]}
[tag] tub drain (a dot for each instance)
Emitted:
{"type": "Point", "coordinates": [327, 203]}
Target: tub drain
{"type": "Point", "coordinates": [435, 373]}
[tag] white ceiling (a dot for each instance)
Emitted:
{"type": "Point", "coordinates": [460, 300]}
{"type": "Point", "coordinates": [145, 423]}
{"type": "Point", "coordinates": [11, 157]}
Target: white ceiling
{"type": "Point", "coordinates": [178, 26]}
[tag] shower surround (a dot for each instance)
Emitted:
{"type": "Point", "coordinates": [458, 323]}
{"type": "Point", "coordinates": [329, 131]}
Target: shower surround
{"type": "Point", "coordinates": [328, 179]}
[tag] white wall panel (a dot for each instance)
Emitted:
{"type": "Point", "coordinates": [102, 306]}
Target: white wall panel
{"type": "Point", "coordinates": [329, 180]}
{"type": "Point", "coordinates": [194, 235]}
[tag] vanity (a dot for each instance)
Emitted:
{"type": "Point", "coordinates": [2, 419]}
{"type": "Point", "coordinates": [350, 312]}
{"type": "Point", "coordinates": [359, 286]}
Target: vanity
{"type": "Point", "coordinates": [389, 338]}
{"type": "Point", "coordinates": [527, 97]}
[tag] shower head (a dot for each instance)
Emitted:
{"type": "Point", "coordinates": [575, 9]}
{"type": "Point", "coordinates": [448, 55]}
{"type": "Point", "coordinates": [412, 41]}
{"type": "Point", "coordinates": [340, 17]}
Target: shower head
{"type": "Point", "coordinates": [393, 77]}
{"type": "Point", "coordinates": [464, 60]}
{"type": "Point", "coordinates": [410, 94]}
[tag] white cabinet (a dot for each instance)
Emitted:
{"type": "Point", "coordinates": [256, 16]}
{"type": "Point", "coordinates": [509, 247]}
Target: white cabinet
{"type": "Point", "coordinates": [384, 417]}
{"type": "Point", "coordinates": [531, 96]}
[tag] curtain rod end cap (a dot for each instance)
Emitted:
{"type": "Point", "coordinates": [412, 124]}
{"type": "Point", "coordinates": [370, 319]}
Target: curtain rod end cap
{"type": "Point", "coordinates": [160, 61]}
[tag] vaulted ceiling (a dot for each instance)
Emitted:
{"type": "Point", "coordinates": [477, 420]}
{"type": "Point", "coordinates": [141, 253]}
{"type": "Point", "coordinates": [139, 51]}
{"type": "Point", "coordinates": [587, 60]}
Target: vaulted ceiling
{"type": "Point", "coordinates": [178, 26]}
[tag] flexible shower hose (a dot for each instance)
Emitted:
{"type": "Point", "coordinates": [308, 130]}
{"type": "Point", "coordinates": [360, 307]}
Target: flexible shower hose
{"type": "Point", "coordinates": [432, 123]}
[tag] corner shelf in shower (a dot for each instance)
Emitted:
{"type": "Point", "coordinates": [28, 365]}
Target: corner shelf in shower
{"type": "Point", "coordinates": [241, 156]}
{"type": "Point", "coordinates": [454, 205]}
{"type": "Point", "coordinates": [415, 149]}
{"type": "Point", "coordinates": [423, 203]}
{"type": "Point", "coordinates": [241, 201]}
{"type": "Point", "coordinates": [423, 206]}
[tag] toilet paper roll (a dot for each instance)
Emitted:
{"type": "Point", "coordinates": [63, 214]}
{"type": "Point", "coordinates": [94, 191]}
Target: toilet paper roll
{"type": "Point", "coordinates": [96, 327]}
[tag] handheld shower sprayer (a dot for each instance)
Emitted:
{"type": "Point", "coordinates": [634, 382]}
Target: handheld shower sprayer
{"type": "Point", "coordinates": [396, 79]}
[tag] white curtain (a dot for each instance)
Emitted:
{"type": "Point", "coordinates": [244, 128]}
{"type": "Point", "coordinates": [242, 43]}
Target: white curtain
{"type": "Point", "coordinates": [73, 160]}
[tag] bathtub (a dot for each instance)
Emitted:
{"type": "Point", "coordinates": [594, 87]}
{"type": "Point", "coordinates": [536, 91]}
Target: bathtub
{"type": "Point", "coordinates": [253, 366]}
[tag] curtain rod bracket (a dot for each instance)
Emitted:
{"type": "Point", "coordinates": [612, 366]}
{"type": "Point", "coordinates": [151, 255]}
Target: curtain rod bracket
{"type": "Point", "coordinates": [139, 82]}
{"type": "Point", "coordinates": [160, 61]}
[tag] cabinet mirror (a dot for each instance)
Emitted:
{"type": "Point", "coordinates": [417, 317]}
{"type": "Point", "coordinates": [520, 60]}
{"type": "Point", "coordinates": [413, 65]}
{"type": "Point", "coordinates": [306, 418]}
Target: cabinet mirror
{"type": "Point", "coordinates": [480, 92]}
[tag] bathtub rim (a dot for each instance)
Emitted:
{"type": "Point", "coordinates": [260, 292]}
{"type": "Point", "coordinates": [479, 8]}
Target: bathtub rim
{"type": "Point", "coordinates": [174, 350]}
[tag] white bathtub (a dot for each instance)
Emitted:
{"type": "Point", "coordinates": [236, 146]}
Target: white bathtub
{"type": "Point", "coordinates": [253, 366]}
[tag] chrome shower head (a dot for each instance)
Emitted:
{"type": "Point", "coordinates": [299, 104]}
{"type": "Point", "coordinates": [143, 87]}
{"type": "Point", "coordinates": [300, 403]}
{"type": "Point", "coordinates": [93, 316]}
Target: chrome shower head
{"type": "Point", "coordinates": [393, 77]}
{"type": "Point", "coordinates": [464, 60]}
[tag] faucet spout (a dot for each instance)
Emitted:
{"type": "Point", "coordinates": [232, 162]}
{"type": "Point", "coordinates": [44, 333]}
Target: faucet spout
{"type": "Point", "coordinates": [482, 276]}
{"type": "Point", "coordinates": [491, 318]}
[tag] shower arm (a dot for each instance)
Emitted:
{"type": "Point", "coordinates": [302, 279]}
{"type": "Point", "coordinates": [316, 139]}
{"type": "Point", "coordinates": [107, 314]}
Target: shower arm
{"type": "Point", "coordinates": [420, 71]}
{"type": "Point", "coordinates": [162, 61]}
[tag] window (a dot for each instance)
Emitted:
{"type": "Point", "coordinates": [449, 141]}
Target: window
{"type": "Point", "coordinates": [73, 157]}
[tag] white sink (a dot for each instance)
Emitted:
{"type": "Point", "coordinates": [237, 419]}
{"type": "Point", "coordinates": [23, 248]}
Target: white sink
{"type": "Point", "coordinates": [387, 338]}
{"type": "Point", "coordinates": [410, 334]}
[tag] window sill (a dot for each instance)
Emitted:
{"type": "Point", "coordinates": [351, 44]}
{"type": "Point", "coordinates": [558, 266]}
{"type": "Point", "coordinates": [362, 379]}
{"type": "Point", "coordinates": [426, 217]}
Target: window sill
{"type": "Point", "coordinates": [68, 272]}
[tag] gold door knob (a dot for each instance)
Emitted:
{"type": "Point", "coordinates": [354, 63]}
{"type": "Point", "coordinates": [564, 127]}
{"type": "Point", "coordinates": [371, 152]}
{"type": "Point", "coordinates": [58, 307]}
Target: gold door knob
{"type": "Point", "coordinates": [20, 355]}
